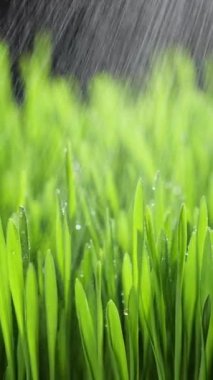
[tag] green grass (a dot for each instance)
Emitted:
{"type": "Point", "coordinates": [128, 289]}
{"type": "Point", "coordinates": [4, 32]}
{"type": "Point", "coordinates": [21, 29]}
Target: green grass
{"type": "Point", "coordinates": [106, 246]}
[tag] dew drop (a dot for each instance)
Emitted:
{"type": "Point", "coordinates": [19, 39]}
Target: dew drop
{"type": "Point", "coordinates": [78, 227]}
{"type": "Point", "coordinates": [126, 313]}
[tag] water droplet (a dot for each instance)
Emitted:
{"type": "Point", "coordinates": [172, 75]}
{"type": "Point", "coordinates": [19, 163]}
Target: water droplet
{"type": "Point", "coordinates": [78, 227]}
{"type": "Point", "coordinates": [126, 313]}
{"type": "Point", "coordinates": [122, 298]}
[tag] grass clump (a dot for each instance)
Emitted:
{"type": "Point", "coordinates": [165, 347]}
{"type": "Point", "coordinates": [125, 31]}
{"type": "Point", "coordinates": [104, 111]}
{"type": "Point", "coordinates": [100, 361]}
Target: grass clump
{"type": "Point", "coordinates": [105, 275]}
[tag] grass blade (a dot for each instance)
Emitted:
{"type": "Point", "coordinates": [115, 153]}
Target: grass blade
{"type": "Point", "coordinates": [5, 307]}
{"type": "Point", "coordinates": [138, 227]}
{"type": "Point", "coordinates": [16, 275]}
{"type": "Point", "coordinates": [51, 303]}
{"type": "Point", "coordinates": [87, 331]}
{"type": "Point", "coordinates": [32, 320]}
{"type": "Point", "coordinates": [116, 340]}
{"type": "Point", "coordinates": [70, 184]}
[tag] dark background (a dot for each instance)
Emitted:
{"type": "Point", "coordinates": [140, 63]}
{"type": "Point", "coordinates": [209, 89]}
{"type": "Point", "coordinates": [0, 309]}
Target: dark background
{"type": "Point", "coordinates": [117, 36]}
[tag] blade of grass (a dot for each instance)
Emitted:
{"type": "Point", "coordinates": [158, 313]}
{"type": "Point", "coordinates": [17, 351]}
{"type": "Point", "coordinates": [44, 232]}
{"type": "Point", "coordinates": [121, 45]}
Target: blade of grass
{"type": "Point", "coordinates": [70, 183]}
{"type": "Point", "coordinates": [5, 307]}
{"type": "Point", "coordinates": [138, 227]}
{"type": "Point", "coordinates": [32, 320]}
{"type": "Point", "coordinates": [87, 330]}
{"type": "Point", "coordinates": [100, 322]}
{"type": "Point", "coordinates": [51, 306]}
{"type": "Point", "coordinates": [127, 280]}
{"type": "Point", "coordinates": [181, 252]}
{"type": "Point", "coordinates": [16, 275]}
{"type": "Point", "coordinates": [116, 340]}
{"type": "Point", "coordinates": [24, 238]}
{"type": "Point", "coordinates": [133, 332]}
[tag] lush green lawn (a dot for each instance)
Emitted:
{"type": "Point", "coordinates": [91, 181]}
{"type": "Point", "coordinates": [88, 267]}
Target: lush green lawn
{"type": "Point", "coordinates": [106, 246]}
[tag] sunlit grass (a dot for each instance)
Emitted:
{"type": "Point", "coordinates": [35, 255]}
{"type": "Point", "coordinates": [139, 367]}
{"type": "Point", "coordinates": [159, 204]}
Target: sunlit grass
{"type": "Point", "coordinates": [106, 268]}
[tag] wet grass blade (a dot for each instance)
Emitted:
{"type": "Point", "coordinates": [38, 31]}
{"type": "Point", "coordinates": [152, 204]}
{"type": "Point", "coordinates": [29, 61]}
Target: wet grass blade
{"type": "Point", "coordinates": [6, 307]}
{"type": "Point", "coordinates": [201, 231]}
{"type": "Point", "coordinates": [16, 274]}
{"type": "Point", "coordinates": [138, 227]}
{"type": "Point", "coordinates": [133, 335]}
{"type": "Point", "coordinates": [70, 184]}
{"type": "Point", "coordinates": [67, 266]}
{"type": "Point", "coordinates": [127, 280]}
{"type": "Point", "coordinates": [24, 237]}
{"type": "Point", "coordinates": [51, 306]}
{"type": "Point", "coordinates": [181, 255]}
{"type": "Point", "coordinates": [87, 330]}
{"type": "Point", "coordinates": [190, 291]}
{"type": "Point", "coordinates": [99, 315]}
{"type": "Point", "coordinates": [116, 341]}
{"type": "Point", "coordinates": [59, 242]}
{"type": "Point", "coordinates": [32, 320]}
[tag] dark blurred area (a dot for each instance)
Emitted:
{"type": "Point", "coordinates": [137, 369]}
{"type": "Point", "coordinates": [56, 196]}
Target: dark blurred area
{"type": "Point", "coordinates": [117, 36]}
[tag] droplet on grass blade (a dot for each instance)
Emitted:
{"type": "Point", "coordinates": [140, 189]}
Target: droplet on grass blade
{"type": "Point", "coordinates": [78, 227]}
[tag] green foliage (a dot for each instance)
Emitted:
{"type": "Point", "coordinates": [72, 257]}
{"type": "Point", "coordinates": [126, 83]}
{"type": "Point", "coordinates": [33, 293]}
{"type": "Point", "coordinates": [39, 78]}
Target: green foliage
{"type": "Point", "coordinates": [105, 275]}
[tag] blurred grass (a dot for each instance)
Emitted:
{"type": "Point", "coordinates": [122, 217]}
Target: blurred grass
{"type": "Point", "coordinates": [118, 281]}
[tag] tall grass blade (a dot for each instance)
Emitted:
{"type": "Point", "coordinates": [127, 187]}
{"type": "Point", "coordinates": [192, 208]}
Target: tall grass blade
{"type": "Point", "coordinates": [24, 237]}
{"type": "Point", "coordinates": [6, 307]}
{"type": "Point", "coordinates": [51, 306]}
{"type": "Point", "coordinates": [127, 278]}
{"type": "Point", "coordinates": [117, 341]}
{"type": "Point", "coordinates": [32, 320]}
{"type": "Point", "coordinates": [87, 330]}
{"type": "Point", "coordinates": [70, 184]}
{"type": "Point", "coordinates": [16, 275]}
{"type": "Point", "coordinates": [133, 332]}
{"type": "Point", "coordinates": [138, 227]}
{"type": "Point", "coordinates": [182, 250]}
